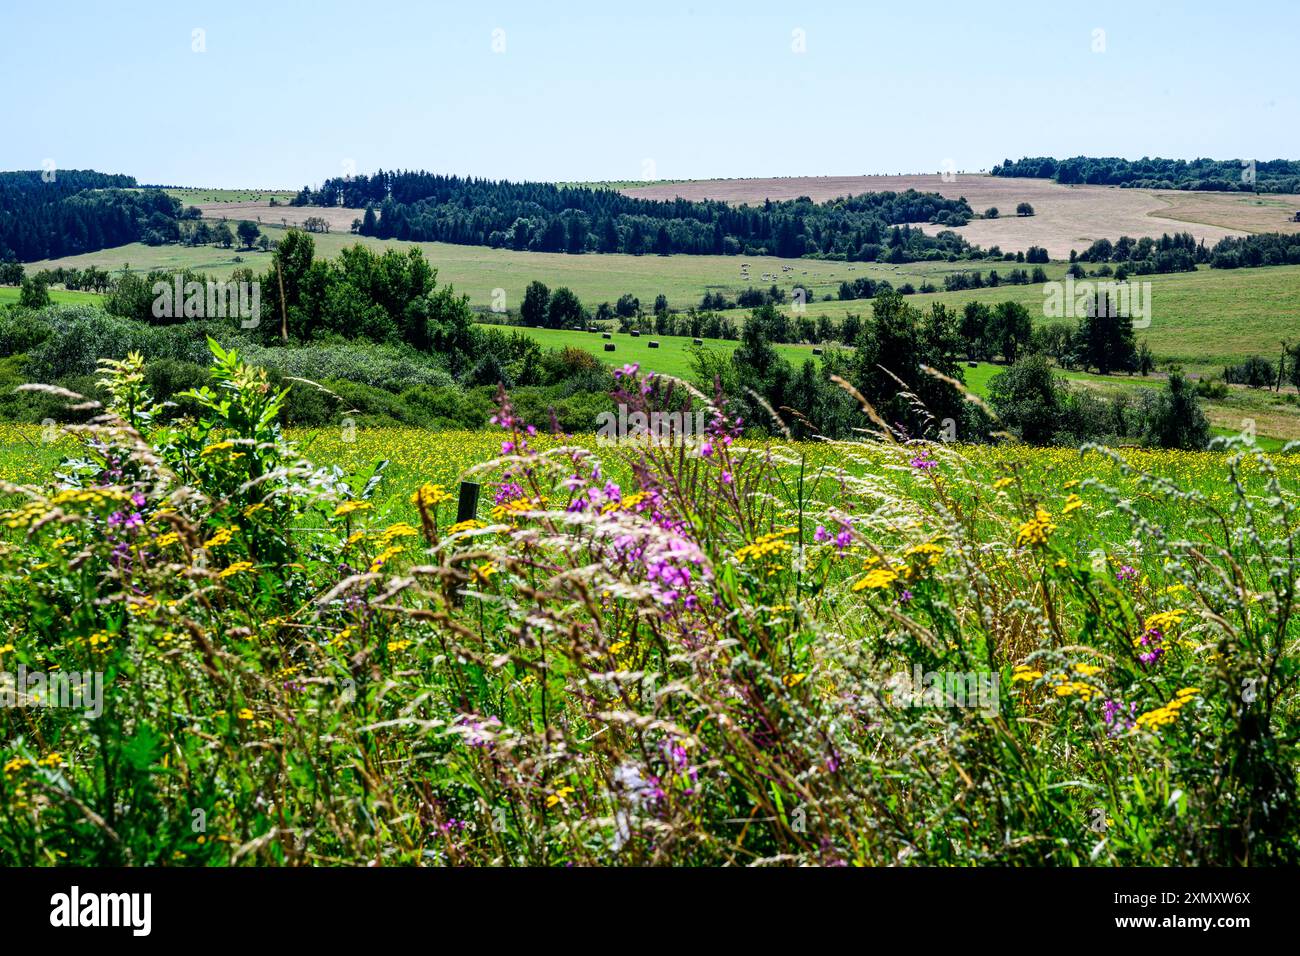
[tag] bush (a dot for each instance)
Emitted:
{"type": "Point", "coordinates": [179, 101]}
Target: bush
{"type": "Point", "coordinates": [167, 379]}
{"type": "Point", "coordinates": [1212, 388]}
{"type": "Point", "coordinates": [21, 331]}
{"type": "Point", "coordinates": [389, 367]}
{"type": "Point", "coordinates": [449, 408]}
{"type": "Point", "coordinates": [78, 336]}
{"type": "Point", "coordinates": [1255, 372]}
{"type": "Point", "coordinates": [1173, 418]}
{"type": "Point", "coordinates": [1029, 398]}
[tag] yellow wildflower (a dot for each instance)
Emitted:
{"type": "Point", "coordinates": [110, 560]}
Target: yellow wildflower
{"type": "Point", "coordinates": [877, 578]}
{"type": "Point", "coordinates": [16, 764]}
{"type": "Point", "coordinates": [626, 503]}
{"type": "Point", "coordinates": [515, 507]}
{"type": "Point", "coordinates": [430, 495]}
{"type": "Point", "coordinates": [399, 530]}
{"type": "Point", "coordinates": [383, 557]}
{"type": "Point", "coordinates": [1025, 673]}
{"type": "Point", "coordinates": [222, 537]}
{"type": "Point", "coordinates": [472, 524]}
{"type": "Point", "coordinates": [1036, 530]}
{"type": "Point", "coordinates": [766, 546]}
{"type": "Point", "coordinates": [1153, 720]}
{"type": "Point", "coordinates": [216, 449]}
{"type": "Point", "coordinates": [1075, 688]}
{"type": "Point", "coordinates": [930, 551]}
{"type": "Point", "coordinates": [558, 796]}
{"type": "Point", "coordinates": [1164, 621]}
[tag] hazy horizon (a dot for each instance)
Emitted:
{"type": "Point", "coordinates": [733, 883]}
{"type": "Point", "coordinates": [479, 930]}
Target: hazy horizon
{"type": "Point", "coordinates": [580, 182]}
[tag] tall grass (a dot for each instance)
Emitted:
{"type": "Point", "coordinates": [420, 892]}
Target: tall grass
{"type": "Point", "coordinates": [733, 654]}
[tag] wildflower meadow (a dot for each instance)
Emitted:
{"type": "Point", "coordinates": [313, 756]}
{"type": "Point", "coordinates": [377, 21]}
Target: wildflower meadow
{"type": "Point", "coordinates": [727, 652]}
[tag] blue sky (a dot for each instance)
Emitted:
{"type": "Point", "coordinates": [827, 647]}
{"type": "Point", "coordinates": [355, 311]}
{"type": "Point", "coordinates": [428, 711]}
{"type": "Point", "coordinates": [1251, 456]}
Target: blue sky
{"type": "Point", "coordinates": [287, 93]}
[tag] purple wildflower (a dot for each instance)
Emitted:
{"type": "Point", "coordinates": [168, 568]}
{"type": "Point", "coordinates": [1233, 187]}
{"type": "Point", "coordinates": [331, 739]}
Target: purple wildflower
{"type": "Point", "coordinates": [1117, 721]}
{"type": "Point", "coordinates": [1152, 640]}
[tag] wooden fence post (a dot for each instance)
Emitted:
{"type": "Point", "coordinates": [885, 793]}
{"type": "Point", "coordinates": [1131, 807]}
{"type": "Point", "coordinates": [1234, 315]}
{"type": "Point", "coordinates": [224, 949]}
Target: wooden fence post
{"type": "Point", "coordinates": [466, 510]}
{"type": "Point", "coordinates": [467, 507]}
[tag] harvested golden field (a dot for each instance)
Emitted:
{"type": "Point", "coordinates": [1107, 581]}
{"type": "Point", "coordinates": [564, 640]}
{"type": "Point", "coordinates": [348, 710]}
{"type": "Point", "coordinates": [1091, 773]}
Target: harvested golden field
{"type": "Point", "coordinates": [264, 213]}
{"type": "Point", "coordinates": [1065, 217]}
{"type": "Point", "coordinates": [1266, 212]}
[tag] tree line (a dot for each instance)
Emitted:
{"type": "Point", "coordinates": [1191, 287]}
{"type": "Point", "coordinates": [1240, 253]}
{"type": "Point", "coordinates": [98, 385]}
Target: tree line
{"type": "Point", "coordinates": [1182, 252]}
{"type": "Point", "coordinates": [70, 211]}
{"type": "Point", "coordinates": [891, 369]}
{"type": "Point", "coordinates": [1216, 175]}
{"type": "Point", "coordinates": [546, 217]}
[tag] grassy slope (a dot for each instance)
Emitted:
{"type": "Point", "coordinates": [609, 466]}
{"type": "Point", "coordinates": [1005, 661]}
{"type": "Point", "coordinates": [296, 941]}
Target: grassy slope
{"type": "Point", "coordinates": [478, 270]}
{"type": "Point", "coordinates": [1201, 319]}
{"type": "Point", "coordinates": [191, 195]}
{"type": "Point", "coordinates": [673, 357]}
{"type": "Point", "coordinates": [10, 293]}
{"type": "Point", "coordinates": [1275, 416]}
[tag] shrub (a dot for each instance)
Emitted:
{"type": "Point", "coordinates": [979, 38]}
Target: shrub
{"type": "Point", "coordinates": [1256, 372]}
{"type": "Point", "coordinates": [1029, 397]}
{"type": "Point", "coordinates": [1173, 418]}
{"type": "Point", "coordinates": [388, 367]}
{"type": "Point", "coordinates": [79, 335]}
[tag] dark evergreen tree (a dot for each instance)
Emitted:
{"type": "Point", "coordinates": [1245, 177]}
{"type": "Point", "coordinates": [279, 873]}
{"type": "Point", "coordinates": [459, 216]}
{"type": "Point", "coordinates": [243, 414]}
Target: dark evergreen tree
{"type": "Point", "coordinates": [536, 303]}
{"type": "Point", "coordinates": [1107, 338]}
